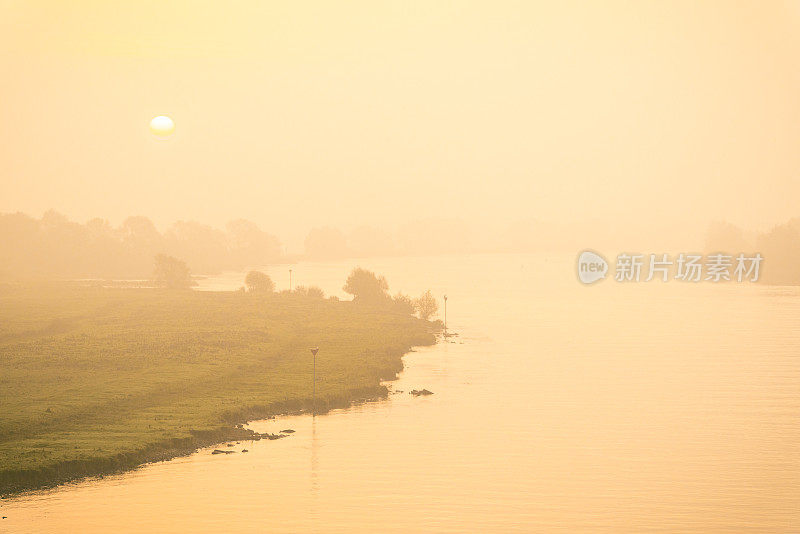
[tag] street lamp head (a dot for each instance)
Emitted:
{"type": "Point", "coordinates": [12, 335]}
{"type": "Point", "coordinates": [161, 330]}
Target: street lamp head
{"type": "Point", "coordinates": [314, 350]}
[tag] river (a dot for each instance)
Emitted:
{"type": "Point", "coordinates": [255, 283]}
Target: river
{"type": "Point", "coordinates": [558, 408]}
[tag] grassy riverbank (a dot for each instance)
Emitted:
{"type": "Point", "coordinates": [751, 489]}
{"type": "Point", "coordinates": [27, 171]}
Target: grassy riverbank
{"type": "Point", "coordinates": [97, 380]}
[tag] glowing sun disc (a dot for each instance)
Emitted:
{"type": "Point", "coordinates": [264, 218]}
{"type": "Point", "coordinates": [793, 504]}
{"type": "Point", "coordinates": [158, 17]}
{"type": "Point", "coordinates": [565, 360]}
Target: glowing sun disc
{"type": "Point", "coordinates": [162, 125]}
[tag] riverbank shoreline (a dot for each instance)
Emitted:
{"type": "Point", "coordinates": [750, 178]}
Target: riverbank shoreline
{"type": "Point", "coordinates": [103, 381]}
{"type": "Point", "coordinates": [26, 482]}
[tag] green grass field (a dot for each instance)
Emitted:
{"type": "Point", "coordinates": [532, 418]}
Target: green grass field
{"type": "Point", "coordinates": [96, 380]}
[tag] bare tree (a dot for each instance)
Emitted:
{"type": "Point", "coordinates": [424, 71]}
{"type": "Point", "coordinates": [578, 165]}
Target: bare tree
{"type": "Point", "coordinates": [426, 305]}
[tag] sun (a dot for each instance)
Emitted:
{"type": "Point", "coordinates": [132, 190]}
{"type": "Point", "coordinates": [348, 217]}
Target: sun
{"type": "Point", "coordinates": [162, 125]}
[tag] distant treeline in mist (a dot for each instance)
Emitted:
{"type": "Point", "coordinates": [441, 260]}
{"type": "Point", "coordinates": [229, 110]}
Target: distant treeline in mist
{"type": "Point", "coordinates": [780, 248]}
{"type": "Point", "coordinates": [435, 236]}
{"type": "Point", "coordinates": [55, 247]}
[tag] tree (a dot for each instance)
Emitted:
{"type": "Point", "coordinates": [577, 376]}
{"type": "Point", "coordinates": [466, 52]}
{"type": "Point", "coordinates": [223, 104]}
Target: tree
{"type": "Point", "coordinates": [258, 282]}
{"type": "Point", "coordinates": [205, 248]}
{"type": "Point", "coordinates": [140, 232]}
{"type": "Point", "coordinates": [249, 245]}
{"type": "Point", "coordinates": [171, 272]}
{"type": "Point", "coordinates": [426, 305]}
{"type": "Point", "coordinates": [366, 287]}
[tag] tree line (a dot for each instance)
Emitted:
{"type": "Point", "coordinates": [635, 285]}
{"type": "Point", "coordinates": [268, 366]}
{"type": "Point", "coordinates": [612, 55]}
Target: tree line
{"type": "Point", "coordinates": [780, 247]}
{"type": "Point", "coordinates": [55, 247]}
{"type": "Point", "coordinates": [367, 289]}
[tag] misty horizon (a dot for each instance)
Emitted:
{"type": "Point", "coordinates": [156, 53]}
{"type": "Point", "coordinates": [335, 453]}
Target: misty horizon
{"type": "Point", "coordinates": [618, 113]}
{"type": "Point", "coordinates": [55, 246]}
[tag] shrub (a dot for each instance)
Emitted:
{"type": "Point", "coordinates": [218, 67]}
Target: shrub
{"type": "Point", "coordinates": [258, 282]}
{"type": "Point", "coordinates": [366, 287]}
{"type": "Point", "coordinates": [403, 304]}
{"type": "Point", "coordinates": [313, 292]}
{"type": "Point", "coordinates": [171, 272]}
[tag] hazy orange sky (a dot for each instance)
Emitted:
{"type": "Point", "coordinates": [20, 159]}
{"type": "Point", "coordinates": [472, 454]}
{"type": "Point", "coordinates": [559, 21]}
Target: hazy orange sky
{"type": "Point", "coordinates": [300, 114]}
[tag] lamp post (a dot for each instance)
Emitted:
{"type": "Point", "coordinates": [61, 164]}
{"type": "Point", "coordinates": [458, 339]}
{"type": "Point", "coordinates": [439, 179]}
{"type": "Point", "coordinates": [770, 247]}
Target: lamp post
{"type": "Point", "coordinates": [290, 279]}
{"type": "Point", "coordinates": [314, 383]}
{"type": "Point", "coordinates": [445, 315]}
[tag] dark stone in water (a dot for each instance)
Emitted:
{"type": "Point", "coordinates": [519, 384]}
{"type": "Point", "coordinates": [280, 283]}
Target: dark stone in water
{"type": "Point", "coordinates": [245, 450]}
{"type": "Point", "coordinates": [287, 431]}
{"type": "Point", "coordinates": [229, 445]}
{"type": "Point", "coordinates": [418, 392]}
{"type": "Point", "coordinates": [219, 451]}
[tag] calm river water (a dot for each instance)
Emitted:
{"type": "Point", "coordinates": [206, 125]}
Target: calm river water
{"type": "Point", "coordinates": [558, 408]}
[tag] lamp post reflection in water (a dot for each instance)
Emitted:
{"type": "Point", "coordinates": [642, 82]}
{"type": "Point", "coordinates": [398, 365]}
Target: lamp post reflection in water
{"type": "Point", "coordinates": [314, 459]}
{"type": "Point", "coordinates": [314, 382]}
